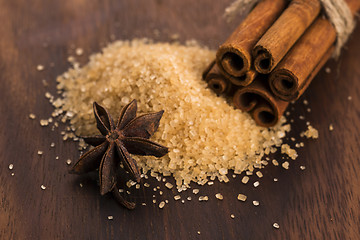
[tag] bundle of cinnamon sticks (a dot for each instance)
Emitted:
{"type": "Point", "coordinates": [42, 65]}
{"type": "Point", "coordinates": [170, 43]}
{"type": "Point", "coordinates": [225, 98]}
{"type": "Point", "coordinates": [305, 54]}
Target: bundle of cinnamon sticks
{"type": "Point", "coordinates": [272, 56]}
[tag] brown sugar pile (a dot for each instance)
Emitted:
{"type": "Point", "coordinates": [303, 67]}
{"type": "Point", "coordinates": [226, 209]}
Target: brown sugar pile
{"type": "Point", "coordinates": [206, 136]}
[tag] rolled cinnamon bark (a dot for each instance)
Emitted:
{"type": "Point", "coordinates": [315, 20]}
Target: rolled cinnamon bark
{"type": "Point", "coordinates": [294, 73]}
{"type": "Point", "coordinates": [243, 80]}
{"type": "Point", "coordinates": [234, 56]}
{"type": "Point", "coordinates": [216, 80]}
{"type": "Point", "coordinates": [283, 34]}
{"type": "Point", "coordinates": [258, 100]}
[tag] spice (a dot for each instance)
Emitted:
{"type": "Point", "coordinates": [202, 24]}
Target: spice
{"type": "Point", "coordinates": [258, 100]}
{"type": "Point", "coordinates": [234, 56]}
{"type": "Point", "coordinates": [216, 80]}
{"type": "Point", "coordinates": [282, 35]}
{"type": "Point", "coordinates": [129, 135]}
{"type": "Point", "coordinates": [216, 136]}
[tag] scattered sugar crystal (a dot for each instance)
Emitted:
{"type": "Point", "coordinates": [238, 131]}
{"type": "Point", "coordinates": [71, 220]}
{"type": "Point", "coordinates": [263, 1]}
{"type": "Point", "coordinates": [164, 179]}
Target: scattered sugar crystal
{"type": "Point", "coordinates": [81, 185]}
{"type": "Point", "coordinates": [232, 216]}
{"type": "Point", "coordinates": [285, 165]}
{"type": "Point", "coordinates": [275, 179]}
{"type": "Point", "coordinates": [219, 196]}
{"type": "Point", "coordinates": [259, 174]}
{"type": "Point", "coordinates": [183, 201]}
{"type": "Point", "coordinates": [160, 193]}
{"type": "Point", "coordinates": [276, 225]}
{"type": "Point", "coordinates": [12, 174]}
{"type": "Point", "coordinates": [42, 187]}
{"type": "Point", "coordinates": [203, 198]}
{"type": "Point", "coordinates": [169, 185]}
{"type": "Point", "coordinates": [349, 98]}
{"type": "Point", "coordinates": [161, 204]}
{"type": "Point", "coordinates": [245, 179]}
{"type": "Point", "coordinates": [285, 148]}
{"type": "Point", "coordinates": [195, 191]}
{"type": "Point", "coordinates": [210, 183]}
{"type": "Point", "coordinates": [188, 198]}
{"type": "Point", "coordinates": [68, 162]}
{"type": "Point", "coordinates": [166, 201]}
{"type": "Point", "coordinates": [146, 185]}
{"type": "Point", "coordinates": [305, 102]}
{"type": "Point", "coordinates": [198, 232]}
{"type": "Point", "coordinates": [302, 167]}
{"type": "Point", "coordinates": [331, 127]}
{"type": "Point", "coordinates": [11, 166]}
{"type": "Point", "coordinates": [79, 51]}
{"type": "Point", "coordinates": [256, 184]}
{"type": "Point", "coordinates": [40, 67]}
{"type": "Point", "coordinates": [40, 152]}
{"type": "Point", "coordinates": [275, 163]}
{"type": "Point", "coordinates": [52, 144]}
{"type": "Point", "coordinates": [44, 122]}
{"type": "Point", "coordinates": [32, 116]}
{"type": "Point", "coordinates": [110, 217]}
{"type": "Point", "coordinates": [45, 83]}
{"type": "Point", "coordinates": [328, 70]}
{"type": "Point", "coordinates": [242, 197]}
{"type": "Point", "coordinates": [144, 204]}
{"type": "Point", "coordinates": [256, 203]}
{"type": "Point", "coordinates": [311, 133]}
{"type": "Point", "coordinates": [249, 173]}
{"type": "Point", "coordinates": [154, 200]}
{"type": "Point", "coordinates": [177, 197]}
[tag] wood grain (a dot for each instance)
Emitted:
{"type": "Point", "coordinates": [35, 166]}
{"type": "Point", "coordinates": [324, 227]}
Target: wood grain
{"type": "Point", "coordinates": [321, 202]}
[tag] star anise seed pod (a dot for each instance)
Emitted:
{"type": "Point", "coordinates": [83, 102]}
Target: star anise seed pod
{"type": "Point", "coordinates": [130, 135]}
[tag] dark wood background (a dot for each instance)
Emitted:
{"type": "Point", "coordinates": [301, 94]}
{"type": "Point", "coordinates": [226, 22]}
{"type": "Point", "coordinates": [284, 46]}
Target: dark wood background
{"type": "Point", "coordinates": [321, 202]}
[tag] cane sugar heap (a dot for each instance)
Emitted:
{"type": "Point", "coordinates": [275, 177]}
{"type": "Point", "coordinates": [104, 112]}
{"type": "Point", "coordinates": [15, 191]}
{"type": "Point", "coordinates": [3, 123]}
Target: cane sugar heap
{"type": "Point", "coordinates": [205, 135]}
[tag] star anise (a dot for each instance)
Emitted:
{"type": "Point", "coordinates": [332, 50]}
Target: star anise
{"type": "Point", "coordinates": [130, 135]}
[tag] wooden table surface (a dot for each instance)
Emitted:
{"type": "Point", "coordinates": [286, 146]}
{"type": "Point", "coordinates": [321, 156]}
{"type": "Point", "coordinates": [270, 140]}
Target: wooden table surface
{"type": "Point", "coordinates": [320, 202]}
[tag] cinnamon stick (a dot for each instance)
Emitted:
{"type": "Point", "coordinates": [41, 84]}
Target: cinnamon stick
{"type": "Point", "coordinates": [216, 80]}
{"type": "Point", "coordinates": [234, 56]}
{"type": "Point", "coordinates": [243, 80]}
{"type": "Point", "coordinates": [283, 34]}
{"type": "Point", "coordinates": [294, 73]}
{"type": "Point", "coordinates": [259, 101]}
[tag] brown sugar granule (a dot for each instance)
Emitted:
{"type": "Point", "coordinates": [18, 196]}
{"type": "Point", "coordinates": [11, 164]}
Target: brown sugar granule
{"type": "Point", "coordinates": [285, 148]}
{"type": "Point", "coordinates": [311, 132]}
{"type": "Point", "coordinates": [197, 126]}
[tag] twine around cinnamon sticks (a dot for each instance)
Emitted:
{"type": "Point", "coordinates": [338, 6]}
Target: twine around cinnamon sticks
{"type": "Point", "coordinates": [273, 55]}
